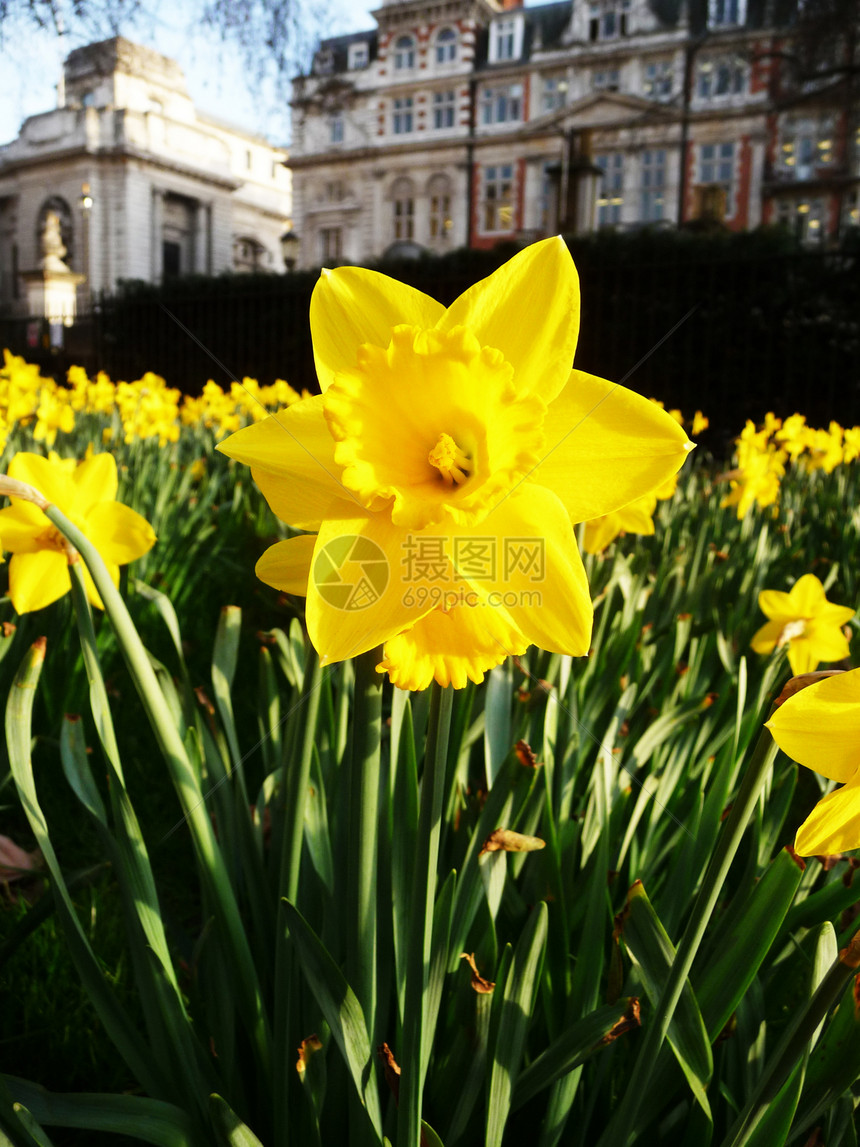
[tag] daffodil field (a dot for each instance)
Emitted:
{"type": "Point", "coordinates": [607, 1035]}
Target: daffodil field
{"type": "Point", "coordinates": [426, 833]}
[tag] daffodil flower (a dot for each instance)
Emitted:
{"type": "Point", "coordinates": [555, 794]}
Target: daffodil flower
{"type": "Point", "coordinates": [443, 467]}
{"type": "Point", "coordinates": [85, 492]}
{"type": "Point", "coordinates": [805, 621]}
{"type": "Point", "coordinates": [819, 727]}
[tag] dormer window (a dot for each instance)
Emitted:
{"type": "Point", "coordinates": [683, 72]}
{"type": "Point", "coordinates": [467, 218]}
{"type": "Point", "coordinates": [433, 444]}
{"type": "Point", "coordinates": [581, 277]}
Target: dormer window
{"type": "Point", "coordinates": [359, 56]}
{"type": "Point", "coordinates": [726, 13]}
{"type": "Point", "coordinates": [404, 53]}
{"type": "Point", "coordinates": [506, 40]}
{"type": "Point", "coordinates": [607, 19]}
{"type": "Point", "coordinates": [324, 62]}
{"type": "Point", "coordinates": [446, 46]}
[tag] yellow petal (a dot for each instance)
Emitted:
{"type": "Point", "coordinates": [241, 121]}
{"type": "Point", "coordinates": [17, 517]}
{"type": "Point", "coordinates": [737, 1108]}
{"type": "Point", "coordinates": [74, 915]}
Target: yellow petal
{"type": "Point", "coordinates": [538, 576]}
{"type": "Point", "coordinates": [37, 579]}
{"type": "Point", "coordinates": [292, 458]}
{"type": "Point", "coordinates": [834, 823]}
{"type": "Point", "coordinates": [802, 656]}
{"type": "Point", "coordinates": [360, 593]}
{"type": "Point", "coordinates": [21, 526]}
{"type": "Point", "coordinates": [606, 446]}
{"type": "Point", "coordinates": [286, 564]}
{"type": "Point", "coordinates": [765, 639]}
{"type": "Point", "coordinates": [95, 481]}
{"type": "Point", "coordinates": [453, 647]}
{"type": "Point", "coordinates": [119, 533]}
{"type": "Point", "coordinates": [828, 641]}
{"type": "Point", "coordinates": [820, 726]}
{"type": "Point", "coordinates": [529, 310]}
{"type": "Point", "coordinates": [52, 479]}
{"type": "Point", "coordinates": [352, 306]}
{"type": "Point", "coordinates": [829, 614]}
{"type": "Point", "coordinates": [599, 532]}
{"type": "Point", "coordinates": [807, 596]}
{"type": "Point", "coordinates": [778, 606]}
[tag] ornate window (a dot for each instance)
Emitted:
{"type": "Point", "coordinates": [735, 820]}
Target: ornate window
{"type": "Point", "coordinates": [658, 80]}
{"type": "Point", "coordinates": [498, 198]}
{"type": "Point", "coordinates": [607, 19]}
{"type": "Point", "coordinates": [401, 122]}
{"type": "Point", "coordinates": [610, 197]}
{"type": "Point", "coordinates": [653, 171]}
{"type": "Point", "coordinates": [502, 104]}
{"type": "Point", "coordinates": [444, 109]}
{"type": "Point", "coordinates": [439, 192]}
{"type": "Point", "coordinates": [726, 13]}
{"type": "Point", "coordinates": [446, 46]}
{"type": "Point", "coordinates": [404, 53]}
{"type": "Point", "coordinates": [403, 199]}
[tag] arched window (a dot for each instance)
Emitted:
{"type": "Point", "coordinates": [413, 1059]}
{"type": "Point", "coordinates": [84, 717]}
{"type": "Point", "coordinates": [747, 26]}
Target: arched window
{"type": "Point", "coordinates": [440, 221]}
{"type": "Point", "coordinates": [249, 254]}
{"type": "Point", "coordinates": [446, 46]}
{"type": "Point", "coordinates": [403, 203]}
{"type": "Point", "coordinates": [404, 53]}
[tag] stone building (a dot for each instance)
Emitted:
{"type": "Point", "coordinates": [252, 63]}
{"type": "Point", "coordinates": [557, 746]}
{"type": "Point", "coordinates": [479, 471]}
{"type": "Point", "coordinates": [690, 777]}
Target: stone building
{"type": "Point", "coordinates": [143, 184]}
{"type": "Point", "coordinates": [466, 122]}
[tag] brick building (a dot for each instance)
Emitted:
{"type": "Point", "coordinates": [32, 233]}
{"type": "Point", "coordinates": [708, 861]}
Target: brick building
{"type": "Point", "coordinates": [467, 122]}
{"type": "Point", "coordinates": [143, 184]}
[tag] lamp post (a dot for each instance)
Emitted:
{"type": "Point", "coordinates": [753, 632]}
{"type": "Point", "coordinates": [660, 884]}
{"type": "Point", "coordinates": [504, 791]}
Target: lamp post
{"type": "Point", "coordinates": [290, 247]}
{"type": "Point", "coordinates": [86, 202]}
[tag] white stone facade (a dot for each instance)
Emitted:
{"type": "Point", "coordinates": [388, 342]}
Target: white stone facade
{"type": "Point", "coordinates": [145, 186]}
{"type": "Point", "coordinates": [465, 122]}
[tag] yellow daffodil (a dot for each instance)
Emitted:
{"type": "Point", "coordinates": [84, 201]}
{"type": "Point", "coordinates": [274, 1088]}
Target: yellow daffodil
{"type": "Point", "coordinates": [700, 423]}
{"type": "Point", "coordinates": [805, 621]}
{"type": "Point", "coordinates": [85, 493]}
{"type": "Point", "coordinates": [820, 728]}
{"type": "Point", "coordinates": [443, 467]}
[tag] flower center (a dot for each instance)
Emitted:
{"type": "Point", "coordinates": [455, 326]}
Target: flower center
{"type": "Point", "coordinates": [791, 630]}
{"type": "Point", "coordinates": [52, 539]}
{"type": "Point", "coordinates": [453, 463]}
{"type": "Point", "coordinates": [432, 428]}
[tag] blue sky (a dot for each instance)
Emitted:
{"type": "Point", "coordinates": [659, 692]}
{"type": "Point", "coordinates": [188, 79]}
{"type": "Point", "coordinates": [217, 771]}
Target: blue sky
{"type": "Point", "coordinates": [32, 64]}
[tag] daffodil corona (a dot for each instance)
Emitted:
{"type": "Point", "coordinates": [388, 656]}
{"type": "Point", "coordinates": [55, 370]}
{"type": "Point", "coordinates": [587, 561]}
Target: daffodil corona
{"type": "Point", "coordinates": [804, 621]}
{"type": "Point", "coordinates": [85, 492]}
{"type": "Point", "coordinates": [443, 467]}
{"type": "Point", "coordinates": [820, 728]}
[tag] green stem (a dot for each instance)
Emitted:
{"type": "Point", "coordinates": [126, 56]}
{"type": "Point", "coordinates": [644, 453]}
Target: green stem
{"type": "Point", "coordinates": [363, 832]}
{"type": "Point", "coordinates": [794, 1042]}
{"type": "Point", "coordinates": [295, 783]}
{"type": "Point", "coordinates": [623, 1127]}
{"type": "Point", "coordinates": [421, 913]}
{"type": "Point", "coordinates": [212, 865]}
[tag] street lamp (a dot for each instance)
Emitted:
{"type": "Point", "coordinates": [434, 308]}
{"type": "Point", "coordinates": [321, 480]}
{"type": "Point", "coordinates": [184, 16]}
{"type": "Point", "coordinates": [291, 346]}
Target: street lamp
{"type": "Point", "coordinates": [86, 207]}
{"type": "Point", "coordinates": [290, 245]}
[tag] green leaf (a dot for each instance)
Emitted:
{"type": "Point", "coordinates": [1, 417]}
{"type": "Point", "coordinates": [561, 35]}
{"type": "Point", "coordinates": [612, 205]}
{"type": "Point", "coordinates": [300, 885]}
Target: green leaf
{"type": "Point", "coordinates": [745, 938]}
{"type": "Point", "coordinates": [578, 1043]}
{"type": "Point", "coordinates": [229, 1128]}
{"type": "Point", "coordinates": [429, 1138]}
{"type": "Point", "coordinates": [515, 1004]}
{"type": "Point", "coordinates": [118, 1025]}
{"type": "Point", "coordinates": [140, 1118]}
{"type": "Point", "coordinates": [497, 728]}
{"type": "Point", "coordinates": [341, 1009]}
{"type": "Point", "coordinates": [651, 951]}
{"type": "Point", "coordinates": [834, 1063]}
